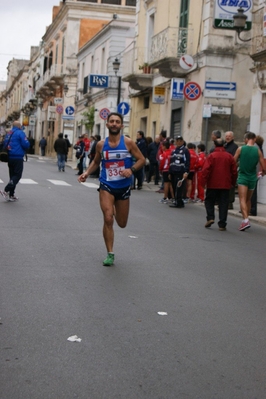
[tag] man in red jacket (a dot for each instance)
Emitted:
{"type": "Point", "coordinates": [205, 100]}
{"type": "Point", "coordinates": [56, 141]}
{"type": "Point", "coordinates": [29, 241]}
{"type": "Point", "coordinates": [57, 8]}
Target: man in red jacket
{"type": "Point", "coordinates": [219, 174]}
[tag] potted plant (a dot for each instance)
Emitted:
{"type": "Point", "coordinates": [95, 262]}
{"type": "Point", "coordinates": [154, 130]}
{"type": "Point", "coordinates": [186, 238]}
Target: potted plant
{"type": "Point", "coordinates": [145, 67]}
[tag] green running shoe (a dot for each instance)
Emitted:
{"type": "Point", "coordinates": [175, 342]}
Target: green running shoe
{"type": "Point", "coordinates": [109, 261]}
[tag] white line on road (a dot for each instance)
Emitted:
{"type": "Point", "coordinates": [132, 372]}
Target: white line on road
{"type": "Point", "coordinates": [27, 181]}
{"type": "Point", "coordinates": [91, 185]}
{"type": "Point", "coordinates": [59, 182]}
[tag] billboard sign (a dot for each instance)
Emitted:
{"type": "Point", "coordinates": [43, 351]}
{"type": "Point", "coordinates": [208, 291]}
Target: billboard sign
{"type": "Point", "coordinates": [225, 9]}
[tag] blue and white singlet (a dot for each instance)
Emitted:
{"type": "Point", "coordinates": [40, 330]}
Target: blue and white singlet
{"type": "Point", "coordinates": [114, 161]}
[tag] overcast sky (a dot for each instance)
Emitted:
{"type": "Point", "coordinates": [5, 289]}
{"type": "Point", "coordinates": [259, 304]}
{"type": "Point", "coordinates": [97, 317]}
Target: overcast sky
{"type": "Point", "coordinates": [22, 25]}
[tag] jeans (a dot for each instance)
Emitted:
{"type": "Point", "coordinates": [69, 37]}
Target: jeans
{"type": "Point", "coordinates": [222, 197]}
{"type": "Point", "coordinates": [61, 158]}
{"type": "Point", "coordinates": [15, 167]}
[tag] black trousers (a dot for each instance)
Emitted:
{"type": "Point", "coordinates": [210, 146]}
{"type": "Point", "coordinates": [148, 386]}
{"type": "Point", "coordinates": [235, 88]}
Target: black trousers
{"type": "Point", "coordinates": [178, 191]}
{"type": "Point", "coordinates": [15, 167]}
{"type": "Point", "coordinates": [220, 196]}
{"type": "Point", "coordinates": [154, 171]}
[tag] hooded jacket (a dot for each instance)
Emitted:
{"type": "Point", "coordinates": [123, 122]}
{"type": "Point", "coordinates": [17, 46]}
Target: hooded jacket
{"type": "Point", "coordinates": [18, 143]}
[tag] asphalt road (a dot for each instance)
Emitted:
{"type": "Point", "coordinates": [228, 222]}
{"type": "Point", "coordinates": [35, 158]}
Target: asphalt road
{"type": "Point", "coordinates": [211, 284]}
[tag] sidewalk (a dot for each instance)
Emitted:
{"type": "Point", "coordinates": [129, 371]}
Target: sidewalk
{"type": "Point", "coordinates": [261, 208]}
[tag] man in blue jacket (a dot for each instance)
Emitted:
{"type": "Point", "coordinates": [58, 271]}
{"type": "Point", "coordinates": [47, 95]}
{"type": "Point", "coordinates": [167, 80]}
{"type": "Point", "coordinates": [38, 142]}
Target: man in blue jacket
{"type": "Point", "coordinates": [17, 143]}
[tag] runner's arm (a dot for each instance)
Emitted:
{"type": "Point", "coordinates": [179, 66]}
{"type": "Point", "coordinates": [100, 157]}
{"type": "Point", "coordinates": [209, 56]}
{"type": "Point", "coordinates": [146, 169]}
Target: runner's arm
{"type": "Point", "coordinates": [94, 164]}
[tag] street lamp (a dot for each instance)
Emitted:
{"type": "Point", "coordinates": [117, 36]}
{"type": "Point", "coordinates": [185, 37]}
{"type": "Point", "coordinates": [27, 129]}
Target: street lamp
{"type": "Point", "coordinates": [239, 23]}
{"type": "Point", "coordinates": [116, 66]}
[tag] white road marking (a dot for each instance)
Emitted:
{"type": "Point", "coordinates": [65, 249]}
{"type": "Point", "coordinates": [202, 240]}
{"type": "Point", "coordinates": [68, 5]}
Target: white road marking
{"type": "Point", "coordinates": [1, 181]}
{"type": "Point", "coordinates": [59, 182]}
{"type": "Point", "coordinates": [27, 181]}
{"type": "Point", "coordinates": [91, 185]}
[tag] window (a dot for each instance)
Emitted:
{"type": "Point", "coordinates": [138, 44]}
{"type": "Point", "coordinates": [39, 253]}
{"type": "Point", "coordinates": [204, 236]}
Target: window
{"type": "Point", "coordinates": [56, 55]}
{"type": "Point", "coordinates": [146, 102]}
{"type": "Point", "coordinates": [63, 49]}
{"type": "Point", "coordinates": [131, 3]}
{"type": "Point", "coordinates": [183, 23]}
{"type": "Point", "coordinates": [112, 2]}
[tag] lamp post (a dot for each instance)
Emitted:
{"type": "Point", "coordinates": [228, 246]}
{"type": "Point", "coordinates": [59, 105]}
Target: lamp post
{"type": "Point", "coordinates": [239, 23]}
{"type": "Point", "coordinates": [116, 66]}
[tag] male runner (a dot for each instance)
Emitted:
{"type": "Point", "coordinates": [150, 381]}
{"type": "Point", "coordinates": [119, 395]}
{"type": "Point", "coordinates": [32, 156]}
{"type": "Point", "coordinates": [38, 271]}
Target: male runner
{"type": "Point", "coordinates": [115, 154]}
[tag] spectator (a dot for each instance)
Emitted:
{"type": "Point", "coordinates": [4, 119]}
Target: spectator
{"type": "Point", "coordinates": [60, 148]}
{"type": "Point", "coordinates": [201, 160]}
{"type": "Point", "coordinates": [152, 156]}
{"type": "Point", "coordinates": [164, 169]}
{"type": "Point", "coordinates": [87, 144]}
{"type": "Point", "coordinates": [231, 147]}
{"type": "Point", "coordinates": [42, 145]}
{"type": "Point", "coordinates": [68, 145]}
{"type": "Point", "coordinates": [179, 169]}
{"type": "Point", "coordinates": [17, 143]}
{"type": "Point", "coordinates": [80, 154]}
{"type": "Point", "coordinates": [142, 146]}
{"type": "Point", "coordinates": [219, 174]}
{"type": "Point", "coordinates": [162, 136]}
{"type": "Point", "coordinates": [92, 153]}
{"type": "Point", "coordinates": [192, 168]}
{"type": "Point", "coordinates": [216, 134]}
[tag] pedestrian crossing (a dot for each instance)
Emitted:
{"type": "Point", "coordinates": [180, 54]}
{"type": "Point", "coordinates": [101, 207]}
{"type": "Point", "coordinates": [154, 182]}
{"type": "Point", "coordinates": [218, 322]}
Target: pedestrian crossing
{"type": "Point", "coordinates": [55, 183]}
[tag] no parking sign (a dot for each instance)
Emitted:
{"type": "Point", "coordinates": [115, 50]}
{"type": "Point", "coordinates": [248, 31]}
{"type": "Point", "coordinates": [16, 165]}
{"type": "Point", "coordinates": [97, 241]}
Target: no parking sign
{"type": "Point", "coordinates": [192, 91]}
{"type": "Point", "coordinates": [104, 112]}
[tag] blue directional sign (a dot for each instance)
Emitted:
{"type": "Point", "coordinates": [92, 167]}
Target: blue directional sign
{"type": "Point", "coordinates": [123, 108]}
{"type": "Point", "coordinates": [220, 85]}
{"type": "Point", "coordinates": [177, 87]}
{"type": "Point", "coordinates": [216, 89]}
{"type": "Point", "coordinates": [69, 110]}
{"type": "Point", "coordinates": [98, 81]}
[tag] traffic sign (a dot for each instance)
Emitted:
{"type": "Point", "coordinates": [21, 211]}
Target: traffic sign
{"type": "Point", "coordinates": [192, 91]}
{"type": "Point", "coordinates": [59, 109]}
{"type": "Point", "coordinates": [69, 110]}
{"type": "Point", "coordinates": [177, 89]}
{"type": "Point", "coordinates": [220, 89]}
{"type": "Point", "coordinates": [123, 108]}
{"type": "Point", "coordinates": [104, 112]}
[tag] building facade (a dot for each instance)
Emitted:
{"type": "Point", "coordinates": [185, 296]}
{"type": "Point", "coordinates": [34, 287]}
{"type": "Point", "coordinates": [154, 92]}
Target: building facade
{"type": "Point", "coordinates": [166, 33]}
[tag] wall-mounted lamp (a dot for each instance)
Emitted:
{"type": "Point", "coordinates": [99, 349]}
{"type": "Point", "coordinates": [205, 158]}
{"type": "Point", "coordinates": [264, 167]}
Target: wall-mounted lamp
{"type": "Point", "coordinates": [116, 66]}
{"type": "Point", "coordinates": [239, 23]}
{"type": "Point", "coordinates": [65, 89]}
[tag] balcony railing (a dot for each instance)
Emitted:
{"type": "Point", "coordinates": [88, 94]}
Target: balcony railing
{"type": "Point", "coordinates": [171, 42]}
{"type": "Point", "coordinates": [56, 71]}
{"type": "Point", "coordinates": [132, 59]}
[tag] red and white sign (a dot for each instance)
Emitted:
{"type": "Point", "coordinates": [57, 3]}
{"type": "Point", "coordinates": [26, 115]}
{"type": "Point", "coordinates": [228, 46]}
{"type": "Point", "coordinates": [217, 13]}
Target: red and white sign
{"type": "Point", "coordinates": [186, 61]}
{"type": "Point", "coordinates": [104, 112]}
{"type": "Point", "coordinates": [59, 109]}
{"type": "Point", "coordinates": [192, 91]}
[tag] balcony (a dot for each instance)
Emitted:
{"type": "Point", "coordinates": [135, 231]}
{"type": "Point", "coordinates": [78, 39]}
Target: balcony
{"type": "Point", "coordinates": [166, 49]}
{"type": "Point", "coordinates": [138, 78]}
{"type": "Point", "coordinates": [52, 78]}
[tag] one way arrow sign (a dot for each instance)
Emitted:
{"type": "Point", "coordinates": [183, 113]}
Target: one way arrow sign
{"type": "Point", "coordinates": [220, 89]}
{"type": "Point", "coordinates": [220, 85]}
